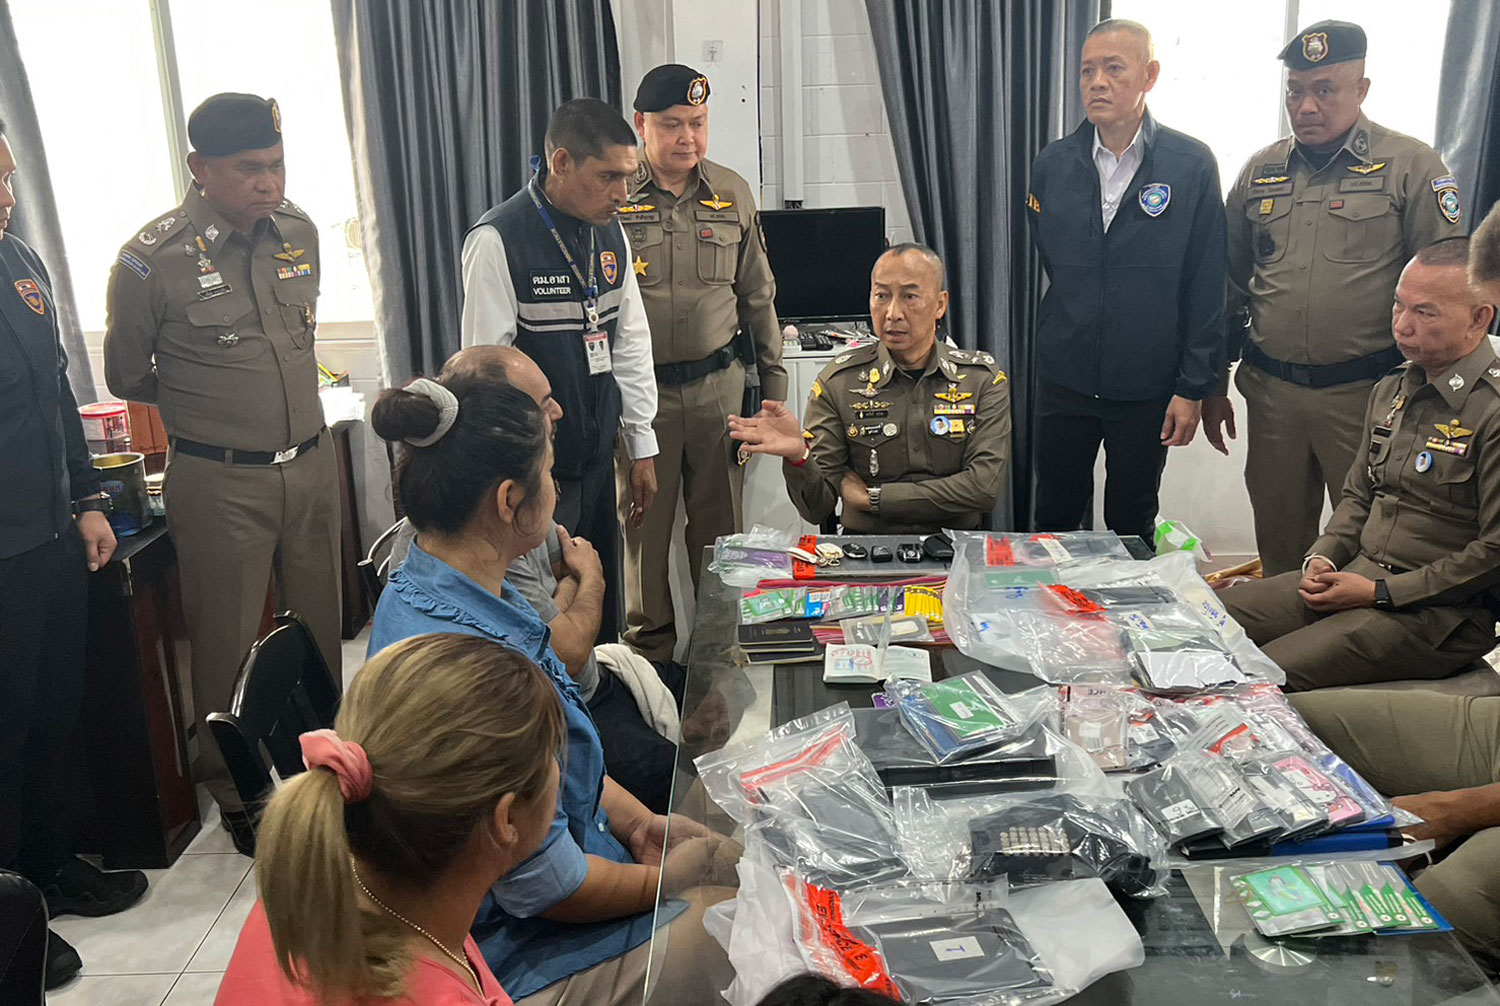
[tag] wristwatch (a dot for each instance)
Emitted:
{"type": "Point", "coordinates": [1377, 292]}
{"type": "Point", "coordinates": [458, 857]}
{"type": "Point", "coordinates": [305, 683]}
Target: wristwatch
{"type": "Point", "coordinates": [874, 499]}
{"type": "Point", "coordinates": [99, 502]}
{"type": "Point", "coordinates": [1383, 596]}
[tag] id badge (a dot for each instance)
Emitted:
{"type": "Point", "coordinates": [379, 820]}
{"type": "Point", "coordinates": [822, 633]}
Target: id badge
{"type": "Point", "coordinates": [596, 349]}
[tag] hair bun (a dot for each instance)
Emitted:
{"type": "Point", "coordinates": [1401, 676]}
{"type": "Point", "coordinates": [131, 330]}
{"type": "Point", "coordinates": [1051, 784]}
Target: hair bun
{"type": "Point", "coordinates": [400, 414]}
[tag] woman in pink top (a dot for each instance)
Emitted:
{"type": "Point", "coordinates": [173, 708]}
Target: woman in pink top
{"type": "Point", "coordinates": [442, 775]}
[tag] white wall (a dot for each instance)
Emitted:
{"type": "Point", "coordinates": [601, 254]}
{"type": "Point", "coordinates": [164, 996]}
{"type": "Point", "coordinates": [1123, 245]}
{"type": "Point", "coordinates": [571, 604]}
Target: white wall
{"type": "Point", "coordinates": [847, 152]}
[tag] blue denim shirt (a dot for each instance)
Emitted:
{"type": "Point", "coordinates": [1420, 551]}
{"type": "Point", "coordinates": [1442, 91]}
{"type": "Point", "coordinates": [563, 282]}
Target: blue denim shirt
{"type": "Point", "coordinates": [526, 952]}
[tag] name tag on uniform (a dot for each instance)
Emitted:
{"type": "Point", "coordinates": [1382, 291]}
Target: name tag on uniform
{"type": "Point", "coordinates": [1375, 184]}
{"type": "Point", "coordinates": [551, 286]}
{"type": "Point", "coordinates": [210, 281]}
{"type": "Point", "coordinates": [596, 351]}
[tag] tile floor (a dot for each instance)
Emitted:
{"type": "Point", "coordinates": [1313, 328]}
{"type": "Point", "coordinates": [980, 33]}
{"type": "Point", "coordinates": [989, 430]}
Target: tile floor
{"type": "Point", "coordinates": [172, 948]}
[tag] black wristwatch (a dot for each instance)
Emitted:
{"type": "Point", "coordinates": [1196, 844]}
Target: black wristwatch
{"type": "Point", "coordinates": [100, 503]}
{"type": "Point", "coordinates": [1383, 596]}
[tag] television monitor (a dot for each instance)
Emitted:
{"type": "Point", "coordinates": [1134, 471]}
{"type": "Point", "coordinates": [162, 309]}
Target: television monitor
{"type": "Point", "coordinates": [822, 260]}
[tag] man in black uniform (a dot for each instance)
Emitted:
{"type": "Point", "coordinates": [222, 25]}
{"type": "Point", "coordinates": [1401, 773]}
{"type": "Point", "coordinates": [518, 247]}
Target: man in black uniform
{"type": "Point", "coordinates": [1127, 217]}
{"type": "Point", "coordinates": [52, 526]}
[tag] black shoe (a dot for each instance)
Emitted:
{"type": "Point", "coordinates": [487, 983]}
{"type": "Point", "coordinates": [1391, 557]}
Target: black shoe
{"type": "Point", "coordinates": [63, 961]}
{"type": "Point", "coordinates": [80, 888]}
{"type": "Point", "coordinates": [241, 825]}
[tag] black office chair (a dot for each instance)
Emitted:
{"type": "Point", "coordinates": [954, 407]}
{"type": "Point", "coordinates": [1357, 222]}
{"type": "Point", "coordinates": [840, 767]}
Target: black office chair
{"type": "Point", "coordinates": [375, 567]}
{"type": "Point", "coordinates": [284, 690]}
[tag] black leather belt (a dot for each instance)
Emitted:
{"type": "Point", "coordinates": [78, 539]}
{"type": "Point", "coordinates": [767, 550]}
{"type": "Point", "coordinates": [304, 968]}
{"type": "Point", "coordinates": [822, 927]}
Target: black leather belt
{"type": "Point", "coordinates": [231, 456]}
{"type": "Point", "coordinates": [1365, 368]}
{"type": "Point", "coordinates": [672, 374]}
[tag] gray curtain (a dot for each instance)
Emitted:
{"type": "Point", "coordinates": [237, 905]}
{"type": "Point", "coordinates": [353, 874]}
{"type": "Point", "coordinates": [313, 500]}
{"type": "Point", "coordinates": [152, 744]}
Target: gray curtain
{"type": "Point", "coordinates": [34, 219]}
{"type": "Point", "coordinates": [446, 101]}
{"type": "Point", "coordinates": [1468, 129]}
{"type": "Point", "coordinates": [974, 89]}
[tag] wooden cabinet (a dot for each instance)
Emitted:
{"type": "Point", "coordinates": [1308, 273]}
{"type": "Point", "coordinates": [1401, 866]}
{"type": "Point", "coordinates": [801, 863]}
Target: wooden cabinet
{"type": "Point", "coordinates": [134, 724]}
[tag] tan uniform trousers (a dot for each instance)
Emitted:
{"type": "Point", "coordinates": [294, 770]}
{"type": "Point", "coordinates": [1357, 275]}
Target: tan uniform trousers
{"type": "Point", "coordinates": [1408, 742]}
{"type": "Point", "coordinates": [233, 526]}
{"type": "Point", "coordinates": [697, 463]}
{"type": "Point", "coordinates": [1360, 645]}
{"type": "Point", "coordinates": [1300, 444]}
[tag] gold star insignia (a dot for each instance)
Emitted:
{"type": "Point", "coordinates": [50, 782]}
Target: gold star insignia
{"type": "Point", "coordinates": [639, 265]}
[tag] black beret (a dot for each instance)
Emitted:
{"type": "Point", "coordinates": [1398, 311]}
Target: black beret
{"type": "Point", "coordinates": [671, 84]}
{"type": "Point", "coordinates": [228, 123]}
{"type": "Point", "coordinates": [1323, 43]}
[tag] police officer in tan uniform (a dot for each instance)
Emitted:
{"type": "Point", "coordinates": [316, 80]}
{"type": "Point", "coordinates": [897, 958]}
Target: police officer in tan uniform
{"type": "Point", "coordinates": [1403, 582]}
{"type": "Point", "coordinates": [907, 435]}
{"type": "Point", "coordinates": [211, 317]}
{"type": "Point", "coordinates": [1320, 224]}
{"type": "Point", "coordinates": [1437, 755]}
{"type": "Point", "coordinates": [700, 262]}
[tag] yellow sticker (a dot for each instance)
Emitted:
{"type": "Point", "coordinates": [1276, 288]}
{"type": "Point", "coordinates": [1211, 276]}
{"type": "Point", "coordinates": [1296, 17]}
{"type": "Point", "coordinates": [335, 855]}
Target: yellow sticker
{"type": "Point", "coordinates": [1266, 206]}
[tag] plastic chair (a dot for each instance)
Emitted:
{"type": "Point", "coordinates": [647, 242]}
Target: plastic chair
{"type": "Point", "coordinates": [284, 690]}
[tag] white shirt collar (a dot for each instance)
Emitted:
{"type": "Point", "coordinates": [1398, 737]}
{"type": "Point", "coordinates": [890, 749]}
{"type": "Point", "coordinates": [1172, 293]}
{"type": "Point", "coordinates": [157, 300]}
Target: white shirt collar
{"type": "Point", "coordinates": [1128, 150]}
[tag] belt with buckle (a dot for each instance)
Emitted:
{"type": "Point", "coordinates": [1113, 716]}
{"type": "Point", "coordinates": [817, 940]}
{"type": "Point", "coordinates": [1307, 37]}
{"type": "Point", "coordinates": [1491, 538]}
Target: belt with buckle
{"type": "Point", "coordinates": [1365, 368]}
{"type": "Point", "coordinates": [232, 456]}
{"type": "Point", "coordinates": [670, 375]}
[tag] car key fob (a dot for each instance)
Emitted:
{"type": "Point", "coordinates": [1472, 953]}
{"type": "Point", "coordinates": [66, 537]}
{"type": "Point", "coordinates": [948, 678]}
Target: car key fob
{"type": "Point", "coordinates": [880, 553]}
{"type": "Point", "coordinates": [853, 550]}
{"type": "Point", "coordinates": [938, 547]}
{"type": "Point", "coordinates": [909, 551]}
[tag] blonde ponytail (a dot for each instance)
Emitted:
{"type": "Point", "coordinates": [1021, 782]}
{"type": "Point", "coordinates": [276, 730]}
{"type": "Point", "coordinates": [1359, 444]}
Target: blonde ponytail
{"type": "Point", "coordinates": [450, 724]}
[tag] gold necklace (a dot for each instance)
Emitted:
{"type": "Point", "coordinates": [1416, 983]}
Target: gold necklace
{"type": "Point", "coordinates": [458, 959]}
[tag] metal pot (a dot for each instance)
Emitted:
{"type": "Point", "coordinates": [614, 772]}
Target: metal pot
{"type": "Point", "coordinates": [123, 477]}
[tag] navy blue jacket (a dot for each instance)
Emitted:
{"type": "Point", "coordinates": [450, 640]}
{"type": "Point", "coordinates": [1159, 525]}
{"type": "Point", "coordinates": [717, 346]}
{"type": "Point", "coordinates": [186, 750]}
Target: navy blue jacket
{"type": "Point", "coordinates": [47, 462]}
{"type": "Point", "coordinates": [1135, 313]}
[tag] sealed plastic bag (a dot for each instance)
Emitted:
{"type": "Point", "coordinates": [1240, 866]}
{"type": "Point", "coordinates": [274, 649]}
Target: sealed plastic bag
{"type": "Point", "coordinates": [960, 944]}
{"type": "Point", "coordinates": [957, 716]}
{"type": "Point", "coordinates": [1032, 838]}
{"type": "Point", "coordinates": [810, 793]}
{"type": "Point", "coordinates": [1029, 761]}
{"type": "Point", "coordinates": [743, 560]}
{"type": "Point", "coordinates": [756, 930]}
{"type": "Point", "coordinates": [1118, 727]}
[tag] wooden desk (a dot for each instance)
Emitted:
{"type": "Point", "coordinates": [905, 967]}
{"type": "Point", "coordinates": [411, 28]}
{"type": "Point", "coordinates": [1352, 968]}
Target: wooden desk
{"type": "Point", "coordinates": [133, 725]}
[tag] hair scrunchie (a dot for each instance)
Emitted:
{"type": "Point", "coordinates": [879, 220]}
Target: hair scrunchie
{"type": "Point", "coordinates": [345, 759]}
{"type": "Point", "coordinates": [447, 404]}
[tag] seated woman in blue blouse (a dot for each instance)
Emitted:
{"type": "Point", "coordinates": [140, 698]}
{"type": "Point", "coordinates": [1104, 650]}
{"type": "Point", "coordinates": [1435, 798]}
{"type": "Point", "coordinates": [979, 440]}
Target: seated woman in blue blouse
{"type": "Point", "coordinates": [574, 921]}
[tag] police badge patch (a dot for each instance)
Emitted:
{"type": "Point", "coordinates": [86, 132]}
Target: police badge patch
{"type": "Point", "coordinates": [1315, 46]}
{"type": "Point", "coordinates": [609, 266]}
{"type": "Point", "coordinates": [1448, 202]}
{"type": "Point", "coordinates": [1155, 197]}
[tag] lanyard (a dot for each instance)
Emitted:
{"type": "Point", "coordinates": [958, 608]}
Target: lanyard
{"type": "Point", "coordinates": [589, 286]}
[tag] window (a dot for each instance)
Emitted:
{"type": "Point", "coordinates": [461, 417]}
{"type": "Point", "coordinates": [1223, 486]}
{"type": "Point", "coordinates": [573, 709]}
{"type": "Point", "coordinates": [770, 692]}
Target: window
{"type": "Point", "coordinates": [1221, 81]}
{"type": "Point", "coordinates": [116, 173]}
